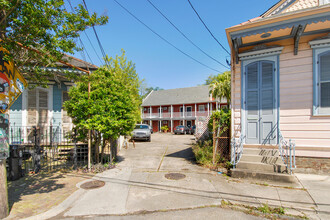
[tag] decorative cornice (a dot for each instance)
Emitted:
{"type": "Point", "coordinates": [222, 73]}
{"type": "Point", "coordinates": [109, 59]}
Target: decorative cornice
{"type": "Point", "coordinates": [281, 25]}
{"type": "Point", "coordinates": [282, 7]}
{"type": "Point", "coordinates": [320, 42]}
{"type": "Point", "coordinates": [260, 53]}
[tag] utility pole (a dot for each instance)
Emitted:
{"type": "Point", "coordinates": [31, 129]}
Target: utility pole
{"type": "Point", "coordinates": [89, 131]}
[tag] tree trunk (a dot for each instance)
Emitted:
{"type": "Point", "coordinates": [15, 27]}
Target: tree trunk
{"type": "Point", "coordinates": [3, 190]}
{"type": "Point", "coordinates": [102, 150]}
{"type": "Point", "coordinates": [97, 147]}
{"type": "Point", "coordinates": [113, 149]}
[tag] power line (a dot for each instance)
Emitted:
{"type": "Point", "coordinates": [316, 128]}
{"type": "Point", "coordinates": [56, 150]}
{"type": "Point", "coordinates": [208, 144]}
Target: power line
{"type": "Point", "coordinates": [164, 38]}
{"type": "Point", "coordinates": [88, 40]}
{"type": "Point", "coordinates": [186, 36]}
{"type": "Point", "coordinates": [97, 37]}
{"type": "Point", "coordinates": [81, 43]}
{"type": "Point", "coordinates": [207, 27]}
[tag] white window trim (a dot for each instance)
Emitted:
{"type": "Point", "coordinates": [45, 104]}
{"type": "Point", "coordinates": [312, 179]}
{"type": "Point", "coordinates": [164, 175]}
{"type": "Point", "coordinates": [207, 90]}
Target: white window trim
{"type": "Point", "coordinates": [319, 47]}
{"type": "Point", "coordinates": [199, 110]}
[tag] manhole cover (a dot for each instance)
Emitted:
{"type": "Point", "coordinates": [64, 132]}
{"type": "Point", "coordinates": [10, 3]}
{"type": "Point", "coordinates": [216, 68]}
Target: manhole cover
{"type": "Point", "coordinates": [175, 176]}
{"type": "Point", "coordinates": [92, 184]}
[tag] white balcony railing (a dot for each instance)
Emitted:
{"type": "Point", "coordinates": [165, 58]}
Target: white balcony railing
{"type": "Point", "coordinates": [175, 115]}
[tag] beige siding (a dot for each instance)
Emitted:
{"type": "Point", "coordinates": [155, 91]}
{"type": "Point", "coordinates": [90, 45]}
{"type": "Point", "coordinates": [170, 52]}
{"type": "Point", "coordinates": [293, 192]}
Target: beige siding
{"type": "Point", "coordinates": [236, 99]}
{"type": "Point", "coordinates": [310, 133]}
{"type": "Point", "coordinates": [296, 101]}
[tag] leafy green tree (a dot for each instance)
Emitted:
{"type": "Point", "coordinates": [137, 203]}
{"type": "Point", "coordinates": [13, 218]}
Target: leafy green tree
{"type": "Point", "coordinates": [220, 86]}
{"type": "Point", "coordinates": [47, 27]}
{"type": "Point", "coordinates": [112, 107]}
{"type": "Point", "coordinates": [146, 90]}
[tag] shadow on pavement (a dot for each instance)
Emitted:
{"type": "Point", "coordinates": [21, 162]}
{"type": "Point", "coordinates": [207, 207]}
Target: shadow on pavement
{"type": "Point", "coordinates": [33, 184]}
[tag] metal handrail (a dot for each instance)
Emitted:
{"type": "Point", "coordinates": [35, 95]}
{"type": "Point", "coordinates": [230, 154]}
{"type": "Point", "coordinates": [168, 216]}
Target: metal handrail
{"type": "Point", "coordinates": [236, 150]}
{"type": "Point", "coordinates": [287, 152]}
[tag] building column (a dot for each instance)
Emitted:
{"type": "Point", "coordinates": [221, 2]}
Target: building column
{"type": "Point", "coordinates": [171, 125]}
{"type": "Point", "coordinates": [217, 106]}
{"type": "Point", "coordinates": [211, 107]}
{"type": "Point", "coordinates": [171, 111]}
{"type": "Point", "coordinates": [183, 113]}
{"type": "Point", "coordinates": [160, 111]}
{"type": "Point", "coordinates": [150, 112]}
{"type": "Point", "coordinates": [150, 123]}
{"type": "Point", "coordinates": [208, 109]}
{"type": "Point", "coordinates": [195, 110]}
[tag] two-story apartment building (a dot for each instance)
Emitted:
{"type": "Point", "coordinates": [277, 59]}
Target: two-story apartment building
{"type": "Point", "coordinates": [183, 106]}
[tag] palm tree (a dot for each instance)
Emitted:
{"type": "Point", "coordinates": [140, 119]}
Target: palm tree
{"type": "Point", "coordinates": [220, 86]}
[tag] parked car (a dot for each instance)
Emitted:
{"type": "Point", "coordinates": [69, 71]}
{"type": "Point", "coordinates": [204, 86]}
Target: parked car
{"type": "Point", "coordinates": [181, 129]}
{"type": "Point", "coordinates": [151, 129]}
{"type": "Point", "coordinates": [141, 132]}
{"type": "Point", "coordinates": [192, 129]}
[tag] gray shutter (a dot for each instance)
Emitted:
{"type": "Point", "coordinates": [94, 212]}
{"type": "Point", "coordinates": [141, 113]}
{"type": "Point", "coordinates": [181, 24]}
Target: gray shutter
{"type": "Point", "coordinates": [325, 80]}
{"type": "Point", "coordinates": [252, 103]}
{"type": "Point", "coordinates": [267, 92]}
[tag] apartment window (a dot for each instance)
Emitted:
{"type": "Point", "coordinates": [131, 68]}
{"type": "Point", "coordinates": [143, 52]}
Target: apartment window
{"type": "Point", "coordinates": [321, 81]}
{"type": "Point", "coordinates": [201, 108]}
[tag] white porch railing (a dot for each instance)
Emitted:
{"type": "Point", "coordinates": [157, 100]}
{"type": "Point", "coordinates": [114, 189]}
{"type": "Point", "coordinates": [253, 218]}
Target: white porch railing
{"type": "Point", "coordinates": [174, 115]}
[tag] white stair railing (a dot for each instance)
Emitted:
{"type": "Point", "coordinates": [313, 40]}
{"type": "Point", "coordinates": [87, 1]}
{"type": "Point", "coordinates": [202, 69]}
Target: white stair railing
{"type": "Point", "coordinates": [236, 150]}
{"type": "Point", "coordinates": [287, 153]}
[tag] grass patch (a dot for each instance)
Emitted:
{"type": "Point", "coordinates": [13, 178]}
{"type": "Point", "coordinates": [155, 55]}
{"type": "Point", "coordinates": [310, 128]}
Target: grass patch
{"type": "Point", "coordinates": [203, 151]}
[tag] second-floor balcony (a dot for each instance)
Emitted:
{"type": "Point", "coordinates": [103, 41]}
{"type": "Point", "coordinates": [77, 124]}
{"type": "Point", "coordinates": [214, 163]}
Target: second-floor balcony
{"type": "Point", "coordinates": [168, 115]}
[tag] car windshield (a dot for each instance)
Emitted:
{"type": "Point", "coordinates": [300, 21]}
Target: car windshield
{"type": "Point", "coordinates": [141, 127]}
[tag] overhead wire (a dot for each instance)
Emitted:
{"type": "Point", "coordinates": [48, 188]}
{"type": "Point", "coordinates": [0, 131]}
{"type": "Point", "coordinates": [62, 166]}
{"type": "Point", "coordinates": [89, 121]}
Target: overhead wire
{"type": "Point", "coordinates": [164, 38]}
{"type": "Point", "coordinates": [81, 43]}
{"type": "Point", "coordinates": [208, 28]}
{"type": "Point", "coordinates": [97, 37]}
{"type": "Point", "coordinates": [88, 40]}
{"type": "Point", "coordinates": [186, 36]}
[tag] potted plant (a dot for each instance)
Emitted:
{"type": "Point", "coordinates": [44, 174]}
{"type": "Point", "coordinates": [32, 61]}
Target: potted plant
{"type": "Point", "coordinates": [164, 128]}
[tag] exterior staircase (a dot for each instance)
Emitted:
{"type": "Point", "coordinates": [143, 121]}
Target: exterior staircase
{"type": "Point", "coordinates": [262, 162]}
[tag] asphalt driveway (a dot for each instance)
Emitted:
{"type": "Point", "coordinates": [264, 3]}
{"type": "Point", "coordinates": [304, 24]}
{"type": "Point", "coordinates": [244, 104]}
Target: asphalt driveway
{"type": "Point", "coordinates": [140, 185]}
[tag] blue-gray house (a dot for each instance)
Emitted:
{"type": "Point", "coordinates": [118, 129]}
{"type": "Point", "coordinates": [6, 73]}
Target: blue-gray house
{"type": "Point", "coordinates": [43, 107]}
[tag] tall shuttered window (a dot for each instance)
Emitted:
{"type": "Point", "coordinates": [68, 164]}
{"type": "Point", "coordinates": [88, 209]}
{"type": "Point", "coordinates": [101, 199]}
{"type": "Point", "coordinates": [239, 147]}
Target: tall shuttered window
{"type": "Point", "coordinates": [37, 107]}
{"type": "Point", "coordinates": [323, 84]}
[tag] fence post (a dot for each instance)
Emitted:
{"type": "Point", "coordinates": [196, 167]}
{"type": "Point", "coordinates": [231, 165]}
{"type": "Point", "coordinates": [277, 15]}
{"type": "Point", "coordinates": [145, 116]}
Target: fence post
{"type": "Point", "coordinates": [75, 149]}
{"type": "Point", "coordinates": [214, 140]}
{"type": "Point", "coordinates": [37, 151]}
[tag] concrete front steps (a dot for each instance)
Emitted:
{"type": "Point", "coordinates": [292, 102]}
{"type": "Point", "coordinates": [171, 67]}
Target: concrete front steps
{"type": "Point", "coordinates": [262, 162]}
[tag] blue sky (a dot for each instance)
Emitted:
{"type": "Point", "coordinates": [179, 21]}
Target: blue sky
{"type": "Point", "coordinates": [157, 62]}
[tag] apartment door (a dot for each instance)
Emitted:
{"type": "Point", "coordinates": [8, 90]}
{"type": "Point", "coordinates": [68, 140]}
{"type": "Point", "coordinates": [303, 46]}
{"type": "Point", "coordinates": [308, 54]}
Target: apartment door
{"type": "Point", "coordinates": [261, 127]}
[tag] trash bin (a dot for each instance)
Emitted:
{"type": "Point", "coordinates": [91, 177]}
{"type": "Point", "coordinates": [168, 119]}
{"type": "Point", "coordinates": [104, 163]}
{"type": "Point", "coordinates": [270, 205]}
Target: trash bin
{"type": "Point", "coordinates": [15, 162]}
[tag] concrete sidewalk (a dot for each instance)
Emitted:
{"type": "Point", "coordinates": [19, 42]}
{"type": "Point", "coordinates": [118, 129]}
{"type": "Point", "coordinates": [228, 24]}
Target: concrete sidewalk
{"type": "Point", "coordinates": [138, 184]}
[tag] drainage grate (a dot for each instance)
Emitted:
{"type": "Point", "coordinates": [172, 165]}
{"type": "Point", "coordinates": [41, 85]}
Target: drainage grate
{"type": "Point", "coordinates": [175, 176]}
{"type": "Point", "coordinates": [93, 184]}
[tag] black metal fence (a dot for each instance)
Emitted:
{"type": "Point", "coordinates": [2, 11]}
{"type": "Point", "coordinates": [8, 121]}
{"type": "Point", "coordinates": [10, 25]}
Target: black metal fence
{"type": "Point", "coordinates": [34, 149]}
